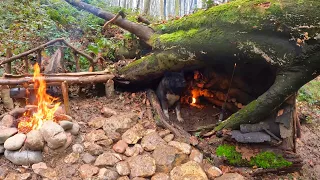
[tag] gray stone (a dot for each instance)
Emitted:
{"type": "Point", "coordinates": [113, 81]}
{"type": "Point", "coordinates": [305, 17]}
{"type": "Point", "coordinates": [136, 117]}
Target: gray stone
{"type": "Point", "coordinates": [23, 157]}
{"type": "Point", "coordinates": [252, 137]}
{"type": "Point", "coordinates": [93, 148]}
{"type": "Point", "coordinates": [75, 128]}
{"type": "Point", "coordinates": [151, 141]}
{"type": "Point", "coordinates": [88, 158]}
{"type": "Point", "coordinates": [107, 159]}
{"type": "Point", "coordinates": [7, 121]}
{"type": "Point", "coordinates": [231, 176]}
{"type": "Point", "coordinates": [15, 142]}
{"type": "Point", "coordinates": [34, 140]}
{"type": "Point", "coordinates": [190, 170]}
{"type": "Point", "coordinates": [66, 125]}
{"type": "Point", "coordinates": [77, 148]}
{"type": "Point", "coordinates": [134, 134]}
{"type": "Point", "coordinates": [142, 166]}
{"type": "Point", "coordinates": [183, 147]}
{"type": "Point", "coordinates": [6, 132]}
{"type": "Point", "coordinates": [123, 168]}
{"type": "Point", "coordinates": [164, 157]}
{"type": "Point", "coordinates": [107, 174]}
{"type": "Point", "coordinates": [53, 134]}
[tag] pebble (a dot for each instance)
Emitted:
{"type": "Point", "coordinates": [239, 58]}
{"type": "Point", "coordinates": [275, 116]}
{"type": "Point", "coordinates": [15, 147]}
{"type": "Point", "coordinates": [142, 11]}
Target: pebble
{"type": "Point", "coordinates": [23, 157]}
{"type": "Point", "coordinates": [87, 171]}
{"type": "Point", "coordinates": [75, 128]}
{"type": "Point", "coordinates": [93, 149]}
{"type": "Point", "coordinates": [163, 133]}
{"type": "Point", "coordinates": [231, 176]}
{"type": "Point", "coordinates": [134, 134]}
{"type": "Point", "coordinates": [142, 166]}
{"type": "Point", "coordinates": [107, 174]}
{"type": "Point", "coordinates": [34, 140]}
{"type": "Point", "coordinates": [15, 142]}
{"type": "Point", "coordinates": [151, 141]}
{"type": "Point", "coordinates": [183, 147]}
{"type": "Point", "coordinates": [5, 133]}
{"type": "Point", "coordinates": [160, 176]}
{"type": "Point", "coordinates": [72, 158]}
{"type": "Point", "coordinates": [88, 158]}
{"type": "Point", "coordinates": [107, 159]}
{"type": "Point", "coordinates": [123, 168]}
{"type": "Point", "coordinates": [196, 156]}
{"type": "Point", "coordinates": [120, 146]}
{"type": "Point", "coordinates": [96, 135]}
{"type": "Point", "coordinates": [133, 151]}
{"type": "Point", "coordinates": [77, 148]}
{"type": "Point", "coordinates": [168, 137]}
{"type": "Point", "coordinates": [189, 170]}
{"type": "Point", "coordinates": [66, 125]}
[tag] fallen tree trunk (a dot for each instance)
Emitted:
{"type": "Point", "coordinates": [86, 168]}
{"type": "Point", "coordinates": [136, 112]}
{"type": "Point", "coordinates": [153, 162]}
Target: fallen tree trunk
{"type": "Point", "coordinates": [278, 34]}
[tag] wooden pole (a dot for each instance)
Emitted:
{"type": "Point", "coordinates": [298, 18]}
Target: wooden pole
{"type": "Point", "coordinates": [39, 57]}
{"type": "Point", "coordinates": [76, 59]}
{"type": "Point", "coordinates": [65, 94]}
{"type": "Point", "coordinates": [26, 64]}
{"type": "Point", "coordinates": [8, 65]}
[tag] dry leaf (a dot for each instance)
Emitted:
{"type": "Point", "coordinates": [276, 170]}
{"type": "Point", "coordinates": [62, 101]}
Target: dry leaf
{"type": "Point", "coordinates": [247, 152]}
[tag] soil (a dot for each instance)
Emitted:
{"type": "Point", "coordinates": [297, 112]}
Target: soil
{"type": "Point", "coordinates": [83, 109]}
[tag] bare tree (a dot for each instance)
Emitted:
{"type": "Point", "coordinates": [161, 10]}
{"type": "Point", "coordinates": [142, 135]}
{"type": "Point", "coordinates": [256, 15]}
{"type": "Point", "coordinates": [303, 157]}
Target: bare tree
{"type": "Point", "coordinates": [146, 8]}
{"type": "Point", "coordinates": [177, 7]}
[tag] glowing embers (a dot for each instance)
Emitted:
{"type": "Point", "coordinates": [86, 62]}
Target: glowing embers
{"type": "Point", "coordinates": [46, 105]}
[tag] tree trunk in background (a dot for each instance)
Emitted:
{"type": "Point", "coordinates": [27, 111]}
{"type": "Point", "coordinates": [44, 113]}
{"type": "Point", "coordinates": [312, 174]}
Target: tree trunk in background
{"type": "Point", "coordinates": [124, 3]}
{"type": "Point", "coordinates": [177, 7]}
{"type": "Point", "coordinates": [162, 15]}
{"type": "Point", "coordinates": [146, 8]}
{"type": "Point", "coordinates": [191, 6]}
{"type": "Point", "coordinates": [138, 5]}
{"type": "Point", "coordinates": [165, 8]}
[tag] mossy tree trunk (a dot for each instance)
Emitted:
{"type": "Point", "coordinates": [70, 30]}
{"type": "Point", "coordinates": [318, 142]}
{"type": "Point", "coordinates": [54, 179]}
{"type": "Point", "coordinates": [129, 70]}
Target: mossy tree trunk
{"type": "Point", "coordinates": [282, 34]}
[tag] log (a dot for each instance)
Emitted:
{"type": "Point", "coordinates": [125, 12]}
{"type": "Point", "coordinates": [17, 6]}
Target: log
{"type": "Point", "coordinates": [89, 79]}
{"type": "Point", "coordinates": [65, 94]}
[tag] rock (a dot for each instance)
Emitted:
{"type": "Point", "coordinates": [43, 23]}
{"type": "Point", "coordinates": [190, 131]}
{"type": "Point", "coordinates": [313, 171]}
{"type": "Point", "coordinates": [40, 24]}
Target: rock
{"type": "Point", "coordinates": [138, 178]}
{"type": "Point", "coordinates": [34, 140]}
{"type": "Point", "coordinates": [168, 137]}
{"type": "Point", "coordinates": [164, 156]}
{"type": "Point", "coordinates": [93, 148]}
{"type": "Point", "coordinates": [252, 137]}
{"type": "Point", "coordinates": [123, 178]}
{"type": "Point", "coordinates": [107, 112]}
{"type": "Point", "coordinates": [105, 143]}
{"type": "Point", "coordinates": [75, 128]}
{"type": "Point", "coordinates": [123, 168]}
{"type": "Point", "coordinates": [97, 122]}
{"type": "Point", "coordinates": [2, 149]}
{"type": "Point", "coordinates": [193, 141]}
{"type": "Point", "coordinates": [160, 176]}
{"type": "Point", "coordinates": [121, 121]}
{"type": "Point", "coordinates": [67, 144]}
{"type": "Point", "coordinates": [12, 176]}
{"type": "Point", "coordinates": [142, 166]}
{"type": "Point", "coordinates": [189, 170]}
{"type": "Point", "coordinates": [212, 171]}
{"type": "Point", "coordinates": [77, 148]}
{"type": "Point", "coordinates": [163, 133]}
{"type": "Point", "coordinates": [15, 142]}
{"type": "Point", "coordinates": [115, 136]}
{"type": "Point", "coordinates": [45, 172]}
{"type": "Point", "coordinates": [183, 147]}
{"type": "Point", "coordinates": [87, 171]}
{"type": "Point", "coordinates": [7, 121]}
{"type": "Point", "coordinates": [134, 134]}
{"type": "Point", "coordinates": [88, 158]}
{"type": "Point", "coordinates": [120, 146]}
{"type": "Point", "coordinates": [3, 172]}
{"type": "Point", "coordinates": [6, 132]}
{"type": "Point", "coordinates": [17, 112]}
{"type": "Point", "coordinates": [107, 174]}
{"type": "Point", "coordinates": [231, 176]}
{"type": "Point", "coordinates": [24, 176]}
{"type": "Point", "coordinates": [196, 156]}
{"type": "Point", "coordinates": [96, 135]}
{"type": "Point", "coordinates": [151, 141]}
{"type": "Point", "coordinates": [133, 151]}
{"type": "Point", "coordinates": [53, 134]}
{"type": "Point", "coordinates": [23, 157]}
{"type": "Point", "coordinates": [66, 125]}
{"type": "Point", "coordinates": [107, 159]}
{"type": "Point", "coordinates": [72, 158]}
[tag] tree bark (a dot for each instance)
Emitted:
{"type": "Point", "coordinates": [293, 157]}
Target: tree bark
{"type": "Point", "coordinates": [146, 8]}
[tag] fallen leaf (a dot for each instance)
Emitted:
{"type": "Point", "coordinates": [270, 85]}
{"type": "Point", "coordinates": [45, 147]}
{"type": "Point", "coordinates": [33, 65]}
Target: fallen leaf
{"type": "Point", "coordinates": [247, 152]}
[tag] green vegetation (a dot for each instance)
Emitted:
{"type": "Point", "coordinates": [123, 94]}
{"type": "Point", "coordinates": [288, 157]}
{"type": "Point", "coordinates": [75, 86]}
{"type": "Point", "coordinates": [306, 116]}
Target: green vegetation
{"type": "Point", "coordinates": [310, 93]}
{"type": "Point", "coordinates": [263, 160]}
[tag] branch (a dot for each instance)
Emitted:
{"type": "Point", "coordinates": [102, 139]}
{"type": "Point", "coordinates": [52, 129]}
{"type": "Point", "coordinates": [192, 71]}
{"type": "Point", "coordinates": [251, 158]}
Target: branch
{"type": "Point", "coordinates": [19, 56]}
{"type": "Point", "coordinates": [141, 31]}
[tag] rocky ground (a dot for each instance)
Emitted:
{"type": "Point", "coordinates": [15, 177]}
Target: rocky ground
{"type": "Point", "coordinates": [118, 141]}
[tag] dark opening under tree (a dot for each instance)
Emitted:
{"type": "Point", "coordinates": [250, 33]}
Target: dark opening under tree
{"type": "Point", "coordinates": [282, 34]}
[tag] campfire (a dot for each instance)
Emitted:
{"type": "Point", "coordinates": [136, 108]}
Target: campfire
{"type": "Point", "coordinates": [46, 105]}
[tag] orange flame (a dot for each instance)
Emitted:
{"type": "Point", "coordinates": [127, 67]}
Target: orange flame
{"type": "Point", "coordinates": [45, 103]}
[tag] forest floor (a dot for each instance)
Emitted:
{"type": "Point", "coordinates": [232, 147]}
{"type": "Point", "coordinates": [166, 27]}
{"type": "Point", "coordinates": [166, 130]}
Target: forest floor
{"type": "Point", "coordinates": [88, 109]}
